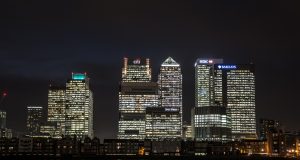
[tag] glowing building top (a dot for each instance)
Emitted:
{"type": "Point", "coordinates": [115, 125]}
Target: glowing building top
{"type": "Point", "coordinates": [136, 70]}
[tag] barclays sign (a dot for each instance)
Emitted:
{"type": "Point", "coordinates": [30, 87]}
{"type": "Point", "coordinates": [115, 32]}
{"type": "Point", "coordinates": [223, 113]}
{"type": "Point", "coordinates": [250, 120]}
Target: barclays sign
{"type": "Point", "coordinates": [227, 67]}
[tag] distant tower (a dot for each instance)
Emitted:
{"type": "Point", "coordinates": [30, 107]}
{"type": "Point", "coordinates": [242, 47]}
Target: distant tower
{"type": "Point", "coordinates": [34, 119]}
{"type": "Point", "coordinates": [136, 93]}
{"type": "Point", "coordinates": [57, 108]}
{"type": "Point", "coordinates": [2, 112]}
{"type": "Point", "coordinates": [2, 119]}
{"type": "Point", "coordinates": [170, 98]}
{"type": "Point", "coordinates": [79, 106]}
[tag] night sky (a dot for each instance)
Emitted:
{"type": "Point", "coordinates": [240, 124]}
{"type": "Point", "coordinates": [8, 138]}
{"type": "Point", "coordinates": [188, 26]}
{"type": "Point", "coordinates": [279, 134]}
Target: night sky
{"type": "Point", "coordinates": [42, 42]}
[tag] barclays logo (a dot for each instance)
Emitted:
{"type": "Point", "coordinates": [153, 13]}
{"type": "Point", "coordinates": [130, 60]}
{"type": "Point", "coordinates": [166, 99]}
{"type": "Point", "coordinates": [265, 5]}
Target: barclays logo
{"type": "Point", "coordinates": [227, 67]}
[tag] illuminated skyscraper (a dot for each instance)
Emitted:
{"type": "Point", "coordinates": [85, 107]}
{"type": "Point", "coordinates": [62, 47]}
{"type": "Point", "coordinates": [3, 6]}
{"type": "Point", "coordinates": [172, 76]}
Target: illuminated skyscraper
{"type": "Point", "coordinates": [136, 93]}
{"type": "Point", "coordinates": [57, 108]}
{"type": "Point", "coordinates": [34, 119]}
{"type": "Point", "coordinates": [235, 89]}
{"type": "Point", "coordinates": [170, 96]}
{"type": "Point", "coordinates": [79, 106]}
{"type": "Point", "coordinates": [210, 121]}
{"type": "Point", "coordinates": [204, 81]}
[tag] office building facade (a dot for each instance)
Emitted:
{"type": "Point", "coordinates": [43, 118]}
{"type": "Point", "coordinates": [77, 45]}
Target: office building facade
{"type": "Point", "coordinates": [204, 81]}
{"type": "Point", "coordinates": [79, 107]}
{"type": "Point", "coordinates": [235, 89]}
{"type": "Point", "coordinates": [57, 109]}
{"type": "Point", "coordinates": [163, 123]}
{"type": "Point", "coordinates": [268, 126]}
{"type": "Point", "coordinates": [170, 94]}
{"type": "Point", "coordinates": [212, 124]}
{"type": "Point", "coordinates": [136, 93]}
{"type": "Point", "coordinates": [209, 119]}
{"type": "Point", "coordinates": [34, 119]}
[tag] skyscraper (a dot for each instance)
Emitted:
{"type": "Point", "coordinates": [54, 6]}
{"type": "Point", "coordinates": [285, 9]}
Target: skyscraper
{"type": "Point", "coordinates": [204, 81]}
{"type": "Point", "coordinates": [170, 96]}
{"type": "Point", "coordinates": [210, 121]}
{"type": "Point", "coordinates": [136, 93]}
{"type": "Point", "coordinates": [57, 108]}
{"type": "Point", "coordinates": [79, 106]}
{"type": "Point", "coordinates": [235, 89]}
{"type": "Point", "coordinates": [34, 119]}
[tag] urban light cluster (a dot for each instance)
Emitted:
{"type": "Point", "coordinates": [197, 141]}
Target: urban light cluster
{"type": "Point", "coordinates": [150, 113]}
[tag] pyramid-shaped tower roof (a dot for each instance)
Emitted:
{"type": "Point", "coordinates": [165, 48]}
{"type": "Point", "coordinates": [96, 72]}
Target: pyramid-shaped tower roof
{"type": "Point", "coordinates": [170, 62]}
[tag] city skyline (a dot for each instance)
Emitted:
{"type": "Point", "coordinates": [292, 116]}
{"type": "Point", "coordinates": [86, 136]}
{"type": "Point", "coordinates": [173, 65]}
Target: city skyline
{"type": "Point", "coordinates": [150, 79]}
{"type": "Point", "coordinates": [44, 42]}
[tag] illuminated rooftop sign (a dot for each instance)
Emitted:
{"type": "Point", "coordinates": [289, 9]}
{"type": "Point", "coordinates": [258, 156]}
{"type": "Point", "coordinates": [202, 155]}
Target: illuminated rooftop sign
{"type": "Point", "coordinates": [78, 76]}
{"type": "Point", "coordinates": [137, 61]}
{"type": "Point", "coordinates": [227, 67]}
{"type": "Point", "coordinates": [205, 61]}
{"type": "Point", "coordinates": [171, 109]}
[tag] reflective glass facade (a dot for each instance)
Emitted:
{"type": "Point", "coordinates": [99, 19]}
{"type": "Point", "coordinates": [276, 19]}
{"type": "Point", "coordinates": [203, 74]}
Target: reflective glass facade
{"type": "Point", "coordinates": [79, 107]}
{"type": "Point", "coordinates": [170, 94]}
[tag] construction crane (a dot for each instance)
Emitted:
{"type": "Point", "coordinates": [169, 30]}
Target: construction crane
{"type": "Point", "coordinates": [3, 95]}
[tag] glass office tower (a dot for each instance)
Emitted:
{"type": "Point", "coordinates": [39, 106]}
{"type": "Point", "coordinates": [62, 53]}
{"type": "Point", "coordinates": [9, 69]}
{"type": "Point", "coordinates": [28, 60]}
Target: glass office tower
{"type": "Point", "coordinates": [170, 96]}
{"type": "Point", "coordinates": [57, 108]}
{"type": "Point", "coordinates": [204, 81]}
{"type": "Point", "coordinates": [235, 89]}
{"type": "Point", "coordinates": [136, 93]}
{"type": "Point", "coordinates": [79, 106]}
{"type": "Point", "coordinates": [210, 120]}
